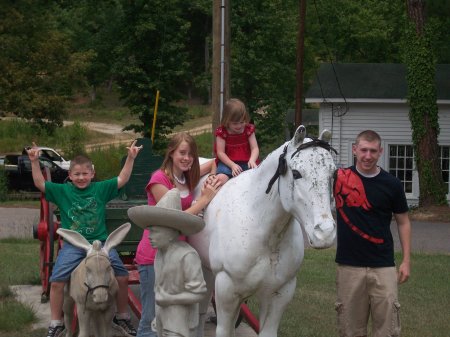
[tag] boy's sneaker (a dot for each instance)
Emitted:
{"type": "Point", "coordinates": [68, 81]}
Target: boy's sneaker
{"type": "Point", "coordinates": [125, 326]}
{"type": "Point", "coordinates": [55, 331]}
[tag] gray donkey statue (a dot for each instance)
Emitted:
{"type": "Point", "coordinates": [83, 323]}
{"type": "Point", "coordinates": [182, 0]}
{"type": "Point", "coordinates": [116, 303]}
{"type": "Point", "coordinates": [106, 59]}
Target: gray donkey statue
{"type": "Point", "coordinates": [93, 286]}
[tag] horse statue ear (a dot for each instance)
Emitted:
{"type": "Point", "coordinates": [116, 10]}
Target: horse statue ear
{"type": "Point", "coordinates": [299, 135]}
{"type": "Point", "coordinates": [325, 135]}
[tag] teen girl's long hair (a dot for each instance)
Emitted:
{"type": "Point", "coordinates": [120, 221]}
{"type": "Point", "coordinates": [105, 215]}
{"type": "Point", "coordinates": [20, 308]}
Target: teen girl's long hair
{"type": "Point", "coordinates": [193, 174]}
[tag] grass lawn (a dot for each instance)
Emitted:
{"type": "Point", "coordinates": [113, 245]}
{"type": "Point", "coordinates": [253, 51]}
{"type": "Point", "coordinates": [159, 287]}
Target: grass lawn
{"type": "Point", "coordinates": [424, 298]}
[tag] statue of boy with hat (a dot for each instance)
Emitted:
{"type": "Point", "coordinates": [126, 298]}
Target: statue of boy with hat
{"type": "Point", "coordinates": [179, 282]}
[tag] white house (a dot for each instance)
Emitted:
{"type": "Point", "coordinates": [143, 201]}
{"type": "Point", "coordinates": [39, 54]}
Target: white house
{"type": "Point", "coordinates": [353, 97]}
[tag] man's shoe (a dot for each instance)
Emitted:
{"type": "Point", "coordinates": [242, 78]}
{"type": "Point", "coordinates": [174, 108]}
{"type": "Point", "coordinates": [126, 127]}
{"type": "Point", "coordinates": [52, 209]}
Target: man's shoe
{"type": "Point", "coordinates": [55, 331]}
{"type": "Point", "coordinates": [125, 326]}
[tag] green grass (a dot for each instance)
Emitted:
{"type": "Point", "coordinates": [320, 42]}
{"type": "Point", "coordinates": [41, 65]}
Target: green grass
{"type": "Point", "coordinates": [17, 202]}
{"type": "Point", "coordinates": [205, 145]}
{"type": "Point", "coordinates": [19, 265]}
{"type": "Point", "coordinates": [424, 298]}
{"type": "Point", "coordinates": [15, 134]}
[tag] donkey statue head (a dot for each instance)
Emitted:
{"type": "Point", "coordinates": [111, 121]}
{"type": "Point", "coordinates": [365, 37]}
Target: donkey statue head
{"type": "Point", "coordinates": [93, 286]}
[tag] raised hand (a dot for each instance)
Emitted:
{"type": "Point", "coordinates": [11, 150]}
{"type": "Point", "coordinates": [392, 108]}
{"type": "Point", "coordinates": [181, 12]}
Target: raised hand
{"type": "Point", "coordinates": [133, 150]}
{"type": "Point", "coordinates": [33, 152]}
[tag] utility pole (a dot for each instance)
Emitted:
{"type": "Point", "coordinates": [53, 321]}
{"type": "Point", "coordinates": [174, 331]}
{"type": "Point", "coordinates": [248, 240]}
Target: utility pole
{"type": "Point", "coordinates": [221, 59]}
{"type": "Point", "coordinates": [300, 61]}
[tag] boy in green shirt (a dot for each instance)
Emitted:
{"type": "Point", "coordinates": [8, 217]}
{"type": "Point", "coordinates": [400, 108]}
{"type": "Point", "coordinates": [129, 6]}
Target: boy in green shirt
{"type": "Point", "coordinates": [82, 205]}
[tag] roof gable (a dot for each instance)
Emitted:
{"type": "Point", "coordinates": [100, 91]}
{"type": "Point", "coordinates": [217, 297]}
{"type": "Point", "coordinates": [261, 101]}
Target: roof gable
{"type": "Point", "coordinates": [370, 81]}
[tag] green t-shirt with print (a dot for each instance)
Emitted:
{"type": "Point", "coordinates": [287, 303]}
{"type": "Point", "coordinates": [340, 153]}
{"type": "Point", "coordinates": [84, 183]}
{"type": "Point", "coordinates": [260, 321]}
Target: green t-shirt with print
{"type": "Point", "coordinates": [83, 210]}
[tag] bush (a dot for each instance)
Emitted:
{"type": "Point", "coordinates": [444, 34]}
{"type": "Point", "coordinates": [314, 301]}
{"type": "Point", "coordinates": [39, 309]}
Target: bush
{"type": "Point", "coordinates": [73, 140]}
{"type": "Point", "coordinates": [107, 162]}
{"type": "Point", "coordinates": [205, 145]}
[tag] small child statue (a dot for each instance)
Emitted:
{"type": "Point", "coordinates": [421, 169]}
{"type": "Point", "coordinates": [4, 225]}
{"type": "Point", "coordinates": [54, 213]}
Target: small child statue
{"type": "Point", "coordinates": [179, 282]}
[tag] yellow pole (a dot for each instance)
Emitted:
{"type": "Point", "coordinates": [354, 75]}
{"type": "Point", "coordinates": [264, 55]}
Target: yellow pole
{"type": "Point", "coordinates": [155, 112]}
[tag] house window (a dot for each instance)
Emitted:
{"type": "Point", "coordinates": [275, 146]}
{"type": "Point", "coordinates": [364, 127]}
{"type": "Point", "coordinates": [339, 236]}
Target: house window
{"type": "Point", "coordinates": [401, 164]}
{"type": "Point", "coordinates": [445, 159]}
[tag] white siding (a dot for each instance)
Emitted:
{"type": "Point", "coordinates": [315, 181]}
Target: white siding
{"type": "Point", "coordinates": [390, 120]}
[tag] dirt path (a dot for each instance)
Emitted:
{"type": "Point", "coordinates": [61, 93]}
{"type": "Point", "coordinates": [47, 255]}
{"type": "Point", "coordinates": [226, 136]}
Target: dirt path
{"type": "Point", "coordinates": [125, 137]}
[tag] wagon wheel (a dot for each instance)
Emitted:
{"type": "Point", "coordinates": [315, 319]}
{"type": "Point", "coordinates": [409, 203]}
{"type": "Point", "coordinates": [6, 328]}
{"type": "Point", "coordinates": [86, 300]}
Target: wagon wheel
{"type": "Point", "coordinates": [45, 231]}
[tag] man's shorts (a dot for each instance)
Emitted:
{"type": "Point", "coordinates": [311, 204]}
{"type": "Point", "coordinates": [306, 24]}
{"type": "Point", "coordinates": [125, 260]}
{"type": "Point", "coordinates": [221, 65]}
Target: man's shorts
{"type": "Point", "coordinates": [364, 292]}
{"type": "Point", "coordinates": [69, 257]}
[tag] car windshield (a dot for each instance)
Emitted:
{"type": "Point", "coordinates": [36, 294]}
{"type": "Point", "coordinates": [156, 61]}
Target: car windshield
{"type": "Point", "coordinates": [50, 155]}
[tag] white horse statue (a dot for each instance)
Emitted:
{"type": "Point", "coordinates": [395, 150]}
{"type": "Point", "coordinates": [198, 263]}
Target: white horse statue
{"type": "Point", "coordinates": [93, 286]}
{"type": "Point", "coordinates": [253, 242]}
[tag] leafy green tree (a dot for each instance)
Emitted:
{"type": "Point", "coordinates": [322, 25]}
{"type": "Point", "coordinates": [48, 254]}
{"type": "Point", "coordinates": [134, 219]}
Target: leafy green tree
{"type": "Point", "coordinates": [355, 31]}
{"type": "Point", "coordinates": [423, 113]}
{"type": "Point", "coordinates": [39, 69]}
{"type": "Point", "coordinates": [438, 16]}
{"type": "Point", "coordinates": [198, 46]}
{"type": "Point", "coordinates": [263, 56]}
{"type": "Point", "coordinates": [93, 27]}
{"type": "Point", "coordinates": [153, 54]}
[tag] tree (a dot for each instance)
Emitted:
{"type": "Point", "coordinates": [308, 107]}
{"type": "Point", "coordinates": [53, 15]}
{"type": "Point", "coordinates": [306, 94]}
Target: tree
{"type": "Point", "coordinates": [423, 114]}
{"type": "Point", "coordinates": [93, 27]}
{"type": "Point", "coordinates": [349, 31]}
{"type": "Point", "coordinates": [39, 69]}
{"type": "Point", "coordinates": [152, 54]}
{"type": "Point", "coordinates": [263, 57]}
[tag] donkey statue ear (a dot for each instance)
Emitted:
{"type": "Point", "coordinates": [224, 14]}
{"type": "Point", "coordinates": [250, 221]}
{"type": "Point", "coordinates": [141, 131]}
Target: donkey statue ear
{"type": "Point", "coordinates": [74, 238]}
{"type": "Point", "coordinates": [117, 236]}
{"type": "Point", "coordinates": [299, 136]}
{"type": "Point", "coordinates": [325, 135]}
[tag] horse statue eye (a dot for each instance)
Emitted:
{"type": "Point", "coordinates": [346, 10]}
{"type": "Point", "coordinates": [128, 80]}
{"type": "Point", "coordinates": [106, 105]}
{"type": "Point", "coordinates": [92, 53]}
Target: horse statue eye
{"type": "Point", "coordinates": [296, 174]}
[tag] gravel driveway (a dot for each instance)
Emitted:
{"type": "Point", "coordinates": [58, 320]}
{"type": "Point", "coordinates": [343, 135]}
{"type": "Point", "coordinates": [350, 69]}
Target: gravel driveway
{"type": "Point", "coordinates": [429, 237]}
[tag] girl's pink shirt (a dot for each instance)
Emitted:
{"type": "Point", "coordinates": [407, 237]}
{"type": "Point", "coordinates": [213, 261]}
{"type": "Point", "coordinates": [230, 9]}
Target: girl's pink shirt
{"type": "Point", "coordinates": [145, 253]}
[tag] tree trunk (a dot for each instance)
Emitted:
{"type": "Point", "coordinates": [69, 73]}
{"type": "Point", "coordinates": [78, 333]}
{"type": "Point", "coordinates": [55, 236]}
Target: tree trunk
{"type": "Point", "coordinates": [423, 109]}
{"type": "Point", "coordinates": [416, 12]}
{"type": "Point", "coordinates": [429, 169]}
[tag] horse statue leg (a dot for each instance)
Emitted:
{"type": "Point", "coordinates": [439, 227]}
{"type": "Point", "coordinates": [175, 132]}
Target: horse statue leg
{"type": "Point", "coordinates": [274, 298]}
{"type": "Point", "coordinates": [227, 305]}
{"type": "Point", "coordinates": [272, 307]}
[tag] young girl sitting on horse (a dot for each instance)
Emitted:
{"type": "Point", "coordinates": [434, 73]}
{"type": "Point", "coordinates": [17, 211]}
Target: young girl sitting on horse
{"type": "Point", "coordinates": [235, 146]}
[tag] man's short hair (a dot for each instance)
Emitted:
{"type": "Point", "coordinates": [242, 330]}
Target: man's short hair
{"type": "Point", "coordinates": [368, 135]}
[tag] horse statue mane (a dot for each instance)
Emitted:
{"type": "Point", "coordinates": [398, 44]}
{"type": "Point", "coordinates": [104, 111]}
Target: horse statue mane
{"type": "Point", "coordinates": [93, 286]}
{"type": "Point", "coordinates": [252, 244]}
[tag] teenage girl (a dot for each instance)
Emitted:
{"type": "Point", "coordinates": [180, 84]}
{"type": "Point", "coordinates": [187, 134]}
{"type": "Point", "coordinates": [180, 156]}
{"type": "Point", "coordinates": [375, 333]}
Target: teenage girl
{"type": "Point", "coordinates": [179, 169]}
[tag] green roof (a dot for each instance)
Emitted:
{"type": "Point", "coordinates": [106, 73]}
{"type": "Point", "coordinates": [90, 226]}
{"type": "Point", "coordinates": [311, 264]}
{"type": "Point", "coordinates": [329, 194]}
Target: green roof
{"type": "Point", "coordinates": [370, 81]}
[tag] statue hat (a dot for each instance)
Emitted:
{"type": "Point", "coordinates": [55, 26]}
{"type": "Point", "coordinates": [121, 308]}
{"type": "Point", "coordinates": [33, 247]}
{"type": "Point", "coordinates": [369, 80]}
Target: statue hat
{"type": "Point", "coordinates": [166, 213]}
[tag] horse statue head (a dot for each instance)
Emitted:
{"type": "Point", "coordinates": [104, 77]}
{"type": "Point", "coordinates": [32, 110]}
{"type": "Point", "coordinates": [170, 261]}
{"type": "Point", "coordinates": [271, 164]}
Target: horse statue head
{"type": "Point", "coordinates": [304, 173]}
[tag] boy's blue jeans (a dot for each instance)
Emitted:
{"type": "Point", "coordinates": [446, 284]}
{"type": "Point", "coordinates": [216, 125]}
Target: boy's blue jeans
{"type": "Point", "coordinates": [147, 284]}
{"type": "Point", "coordinates": [69, 257]}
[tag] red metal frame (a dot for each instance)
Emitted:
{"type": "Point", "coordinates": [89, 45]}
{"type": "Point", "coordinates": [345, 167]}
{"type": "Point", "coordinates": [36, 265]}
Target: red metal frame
{"type": "Point", "coordinates": [46, 233]}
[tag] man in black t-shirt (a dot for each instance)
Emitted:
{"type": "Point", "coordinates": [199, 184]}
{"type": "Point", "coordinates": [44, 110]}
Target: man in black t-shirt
{"type": "Point", "coordinates": [366, 198]}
